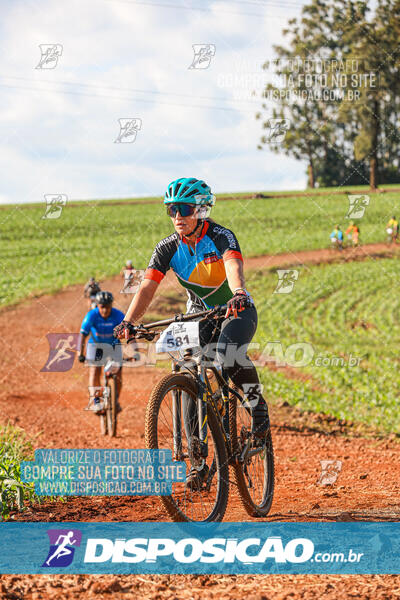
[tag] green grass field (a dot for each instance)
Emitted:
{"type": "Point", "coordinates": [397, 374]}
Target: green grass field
{"type": "Point", "coordinates": [339, 311]}
{"type": "Point", "coordinates": [95, 238]}
{"type": "Point", "coordinates": [15, 446]}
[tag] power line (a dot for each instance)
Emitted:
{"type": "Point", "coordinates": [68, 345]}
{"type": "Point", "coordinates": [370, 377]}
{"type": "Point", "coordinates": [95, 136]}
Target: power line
{"type": "Point", "coordinates": [209, 9]}
{"type": "Point", "coordinates": [152, 101]}
{"type": "Point", "coordinates": [128, 90]}
{"type": "Point", "coordinates": [285, 3]}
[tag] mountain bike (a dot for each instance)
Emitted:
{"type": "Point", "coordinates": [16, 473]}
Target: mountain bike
{"type": "Point", "coordinates": [107, 397]}
{"type": "Point", "coordinates": [108, 420]}
{"type": "Point", "coordinates": [206, 422]}
{"type": "Point", "coordinates": [391, 235]}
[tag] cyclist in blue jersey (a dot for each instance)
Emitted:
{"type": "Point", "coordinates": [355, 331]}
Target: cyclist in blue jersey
{"type": "Point", "coordinates": [99, 323]}
{"type": "Point", "coordinates": [207, 261]}
{"type": "Point", "coordinates": [337, 238]}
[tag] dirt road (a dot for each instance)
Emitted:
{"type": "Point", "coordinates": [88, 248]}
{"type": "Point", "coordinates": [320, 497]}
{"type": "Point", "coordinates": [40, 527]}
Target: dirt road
{"type": "Point", "coordinates": [50, 407]}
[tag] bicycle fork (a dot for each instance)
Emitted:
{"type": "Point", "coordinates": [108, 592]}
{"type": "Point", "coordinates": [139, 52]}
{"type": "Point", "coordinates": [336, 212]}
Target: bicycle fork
{"type": "Point", "coordinates": [177, 425]}
{"type": "Point", "coordinates": [202, 416]}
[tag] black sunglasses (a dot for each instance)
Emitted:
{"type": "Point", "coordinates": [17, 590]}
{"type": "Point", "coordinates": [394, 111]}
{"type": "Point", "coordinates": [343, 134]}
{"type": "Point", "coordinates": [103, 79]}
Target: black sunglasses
{"type": "Point", "coordinates": [185, 210]}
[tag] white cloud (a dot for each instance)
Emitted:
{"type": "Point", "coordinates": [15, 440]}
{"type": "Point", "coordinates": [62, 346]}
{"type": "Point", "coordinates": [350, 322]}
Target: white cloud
{"type": "Point", "coordinates": [59, 126]}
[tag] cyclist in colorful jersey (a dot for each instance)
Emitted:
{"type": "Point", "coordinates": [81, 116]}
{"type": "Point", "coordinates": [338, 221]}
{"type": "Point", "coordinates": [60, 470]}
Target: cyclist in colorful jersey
{"type": "Point", "coordinates": [337, 237]}
{"type": "Point", "coordinates": [353, 232]}
{"type": "Point", "coordinates": [392, 229]}
{"type": "Point", "coordinates": [99, 323]}
{"type": "Point", "coordinates": [207, 261]}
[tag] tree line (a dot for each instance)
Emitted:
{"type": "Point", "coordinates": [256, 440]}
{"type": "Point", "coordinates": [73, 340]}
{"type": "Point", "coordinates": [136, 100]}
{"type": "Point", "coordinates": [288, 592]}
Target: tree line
{"type": "Point", "coordinates": [336, 90]}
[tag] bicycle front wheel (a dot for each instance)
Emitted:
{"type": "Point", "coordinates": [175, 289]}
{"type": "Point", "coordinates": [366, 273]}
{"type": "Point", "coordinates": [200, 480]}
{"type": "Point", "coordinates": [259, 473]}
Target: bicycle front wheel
{"type": "Point", "coordinates": [172, 424]}
{"type": "Point", "coordinates": [111, 412]}
{"type": "Point", "coordinates": [103, 424]}
{"type": "Point", "coordinates": [255, 476]}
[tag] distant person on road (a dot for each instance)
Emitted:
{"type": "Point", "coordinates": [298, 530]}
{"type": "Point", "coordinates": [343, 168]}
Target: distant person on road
{"type": "Point", "coordinates": [127, 273]}
{"type": "Point", "coordinates": [128, 267]}
{"type": "Point", "coordinates": [337, 238]}
{"type": "Point", "coordinates": [356, 235]}
{"type": "Point", "coordinates": [90, 290]}
{"type": "Point", "coordinates": [353, 232]}
{"type": "Point", "coordinates": [392, 229]}
{"type": "Point", "coordinates": [99, 323]}
{"type": "Point", "coordinates": [132, 278]}
{"type": "Point", "coordinates": [349, 232]}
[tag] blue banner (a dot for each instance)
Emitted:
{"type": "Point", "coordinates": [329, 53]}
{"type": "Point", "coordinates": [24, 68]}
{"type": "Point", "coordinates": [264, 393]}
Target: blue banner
{"type": "Point", "coordinates": [188, 548]}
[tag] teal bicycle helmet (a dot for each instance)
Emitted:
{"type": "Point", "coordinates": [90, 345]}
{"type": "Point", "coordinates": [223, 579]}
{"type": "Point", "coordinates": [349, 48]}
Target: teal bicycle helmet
{"type": "Point", "coordinates": [189, 190]}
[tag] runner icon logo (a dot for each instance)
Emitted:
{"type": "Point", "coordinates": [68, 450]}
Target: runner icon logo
{"type": "Point", "coordinates": [286, 281]}
{"type": "Point", "coordinates": [62, 350]}
{"type": "Point", "coordinates": [54, 205]}
{"type": "Point", "coordinates": [203, 54]}
{"type": "Point", "coordinates": [50, 53]}
{"type": "Point", "coordinates": [252, 393]}
{"type": "Point", "coordinates": [330, 470]}
{"type": "Point", "coordinates": [357, 205]}
{"type": "Point", "coordinates": [277, 130]}
{"type": "Point", "coordinates": [62, 547]}
{"type": "Point", "coordinates": [128, 129]}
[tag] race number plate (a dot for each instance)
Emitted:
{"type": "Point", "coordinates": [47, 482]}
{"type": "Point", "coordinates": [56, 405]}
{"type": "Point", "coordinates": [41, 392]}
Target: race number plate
{"type": "Point", "coordinates": [179, 336]}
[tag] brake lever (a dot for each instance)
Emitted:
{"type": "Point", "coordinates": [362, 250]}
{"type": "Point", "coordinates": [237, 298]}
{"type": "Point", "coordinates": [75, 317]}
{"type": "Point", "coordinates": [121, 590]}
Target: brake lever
{"type": "Point", "coordinates": [219, 312]}
{"type": "Point", "coordinates": [143, 334]}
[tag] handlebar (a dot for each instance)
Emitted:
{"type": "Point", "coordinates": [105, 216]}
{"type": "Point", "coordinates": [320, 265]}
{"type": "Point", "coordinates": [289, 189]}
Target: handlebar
{"type": "Point", "coordinates": [150, 335]}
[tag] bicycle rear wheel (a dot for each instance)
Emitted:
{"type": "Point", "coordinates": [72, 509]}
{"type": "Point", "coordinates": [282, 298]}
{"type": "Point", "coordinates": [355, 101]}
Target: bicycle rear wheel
{"type": "Point", "coordinates": [111, 412]}
{"type": "Point", "coordinates": [255, 478]}
{"type": "Point", "coordinates": [165, 429]}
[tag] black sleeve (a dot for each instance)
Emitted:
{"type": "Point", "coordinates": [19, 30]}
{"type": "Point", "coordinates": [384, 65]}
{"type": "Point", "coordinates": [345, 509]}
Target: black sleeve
{"type": "Point", "coordinates": [225, 241]}
{"type": "Point", "coordinates": [161, 258]}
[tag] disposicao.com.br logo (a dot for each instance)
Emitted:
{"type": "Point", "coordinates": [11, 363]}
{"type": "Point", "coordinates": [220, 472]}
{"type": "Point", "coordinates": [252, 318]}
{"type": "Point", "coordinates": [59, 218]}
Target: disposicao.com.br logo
{"type": "Point", "coordinates": [212, 550]}
{"type": "Point", "coordinates": [113, 547]}
{"type": "Point", "coordinates": [190, 550]}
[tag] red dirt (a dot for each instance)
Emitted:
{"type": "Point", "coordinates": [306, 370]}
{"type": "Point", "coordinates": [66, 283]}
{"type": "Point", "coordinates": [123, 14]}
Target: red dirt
{"type": "Point", "coordinates": [322, 256]}
{"type": "Point", "coordinates": [49, 405]}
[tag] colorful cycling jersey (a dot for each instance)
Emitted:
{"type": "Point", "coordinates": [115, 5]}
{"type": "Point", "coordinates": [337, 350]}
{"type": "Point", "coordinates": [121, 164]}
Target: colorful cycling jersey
{"type": "Point", "coordinates": [337, 233]}
{"type": "Point", "coordinates": [200, 270]}
{"type": "Point", "coordinates": [101, 330]}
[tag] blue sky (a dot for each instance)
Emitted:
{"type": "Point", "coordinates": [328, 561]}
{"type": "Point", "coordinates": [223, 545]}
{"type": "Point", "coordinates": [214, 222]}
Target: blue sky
{"type": "Point", "coordinates": [130, 59]}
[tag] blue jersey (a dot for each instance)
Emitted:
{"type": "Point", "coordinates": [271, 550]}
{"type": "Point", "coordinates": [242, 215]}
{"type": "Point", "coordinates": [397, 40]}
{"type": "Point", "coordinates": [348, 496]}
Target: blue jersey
{"type": "Point", "coordinates": [337, 233]}
{"type": "Point", "coordinates": [101, 330]}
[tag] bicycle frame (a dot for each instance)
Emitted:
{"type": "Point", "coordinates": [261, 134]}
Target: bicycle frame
{"type": "Point", "coordinates": [204, 397]}
{"type": "Point", "coordinates": [110, 372]}
{"type": "Point", "coordinates": [205, 394]}
{"type": "Point", "coordinates": [106, 388]}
